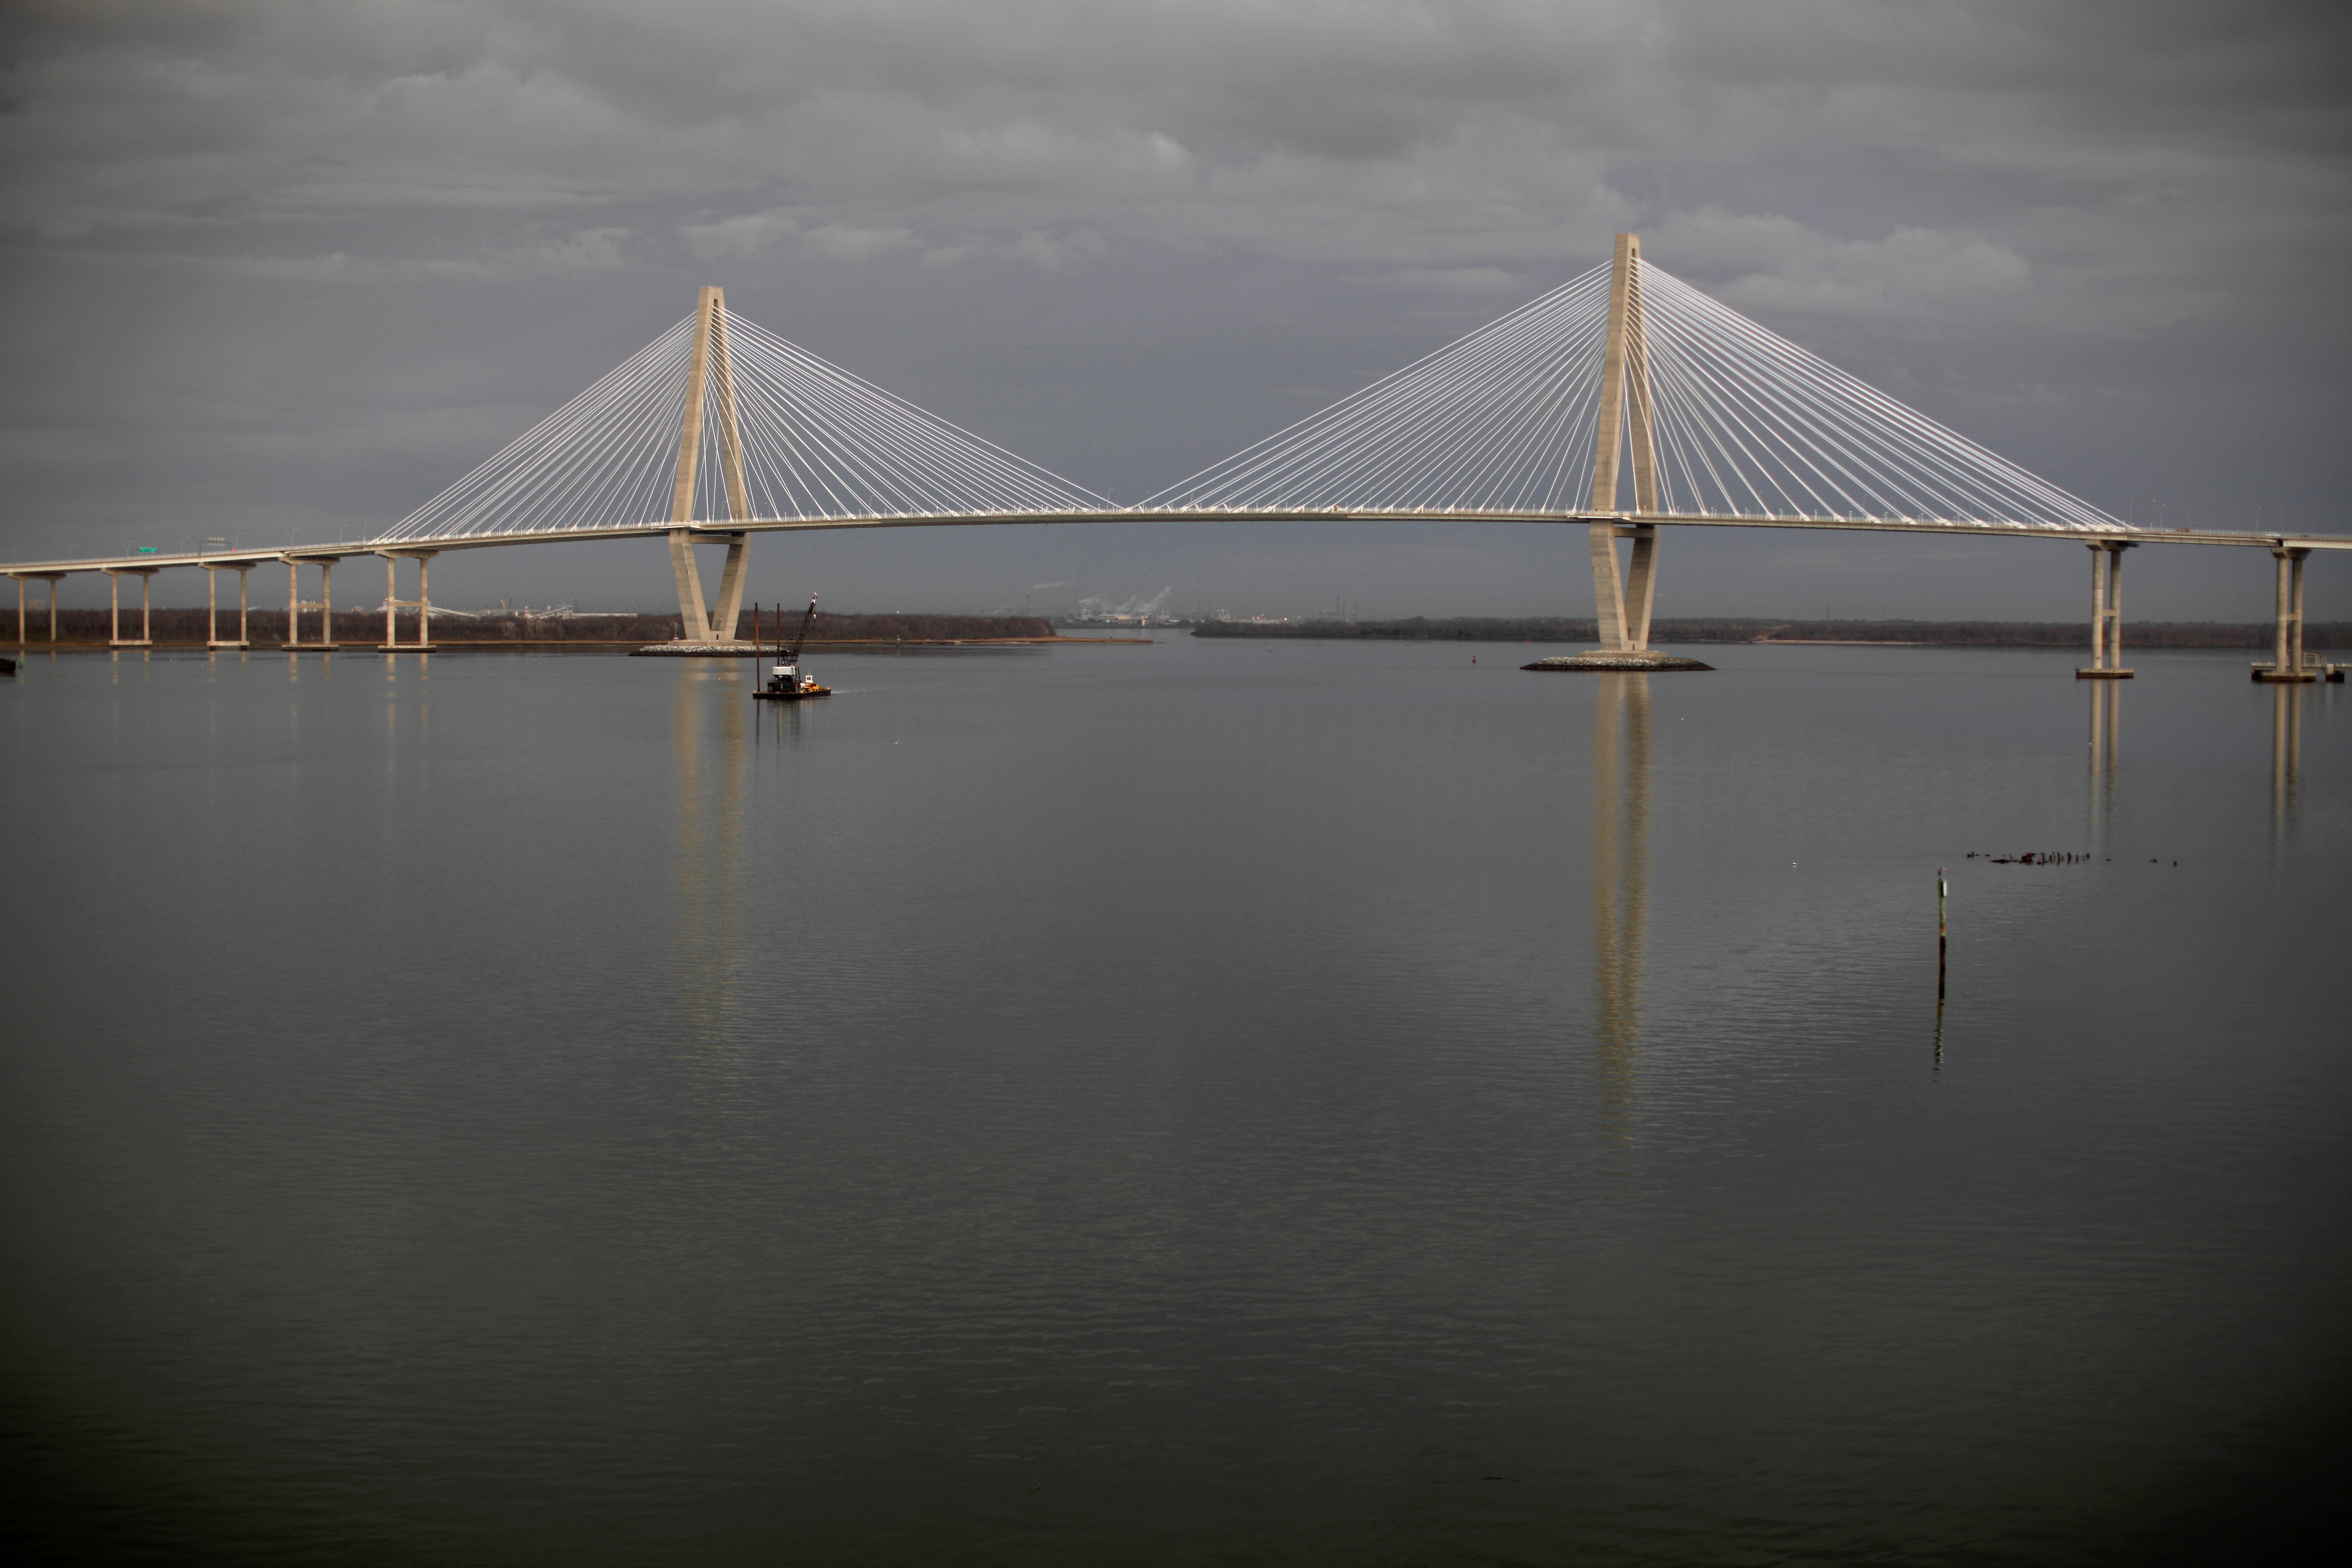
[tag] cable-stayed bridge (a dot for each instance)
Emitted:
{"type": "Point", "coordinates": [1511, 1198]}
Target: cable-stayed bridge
{"type": "Point", "coordinates": [1624, 400]}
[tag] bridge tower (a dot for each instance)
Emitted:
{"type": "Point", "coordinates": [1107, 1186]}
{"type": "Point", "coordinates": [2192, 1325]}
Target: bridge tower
{"type": "Point", "coordinates": [1621, 606]}
{"type": "Point", "coordinates": [710, 369]}
{"type": "Point", "coordinates": [1623, 596]}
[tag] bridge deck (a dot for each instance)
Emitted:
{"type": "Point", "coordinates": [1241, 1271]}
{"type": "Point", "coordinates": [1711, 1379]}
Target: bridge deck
{"type": "Point", "coordinates": [383, 546]}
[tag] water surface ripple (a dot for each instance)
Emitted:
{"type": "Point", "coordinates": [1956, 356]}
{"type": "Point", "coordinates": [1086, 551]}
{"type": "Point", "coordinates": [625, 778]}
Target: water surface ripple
{"type": "Point", "coordinates": [1200, 1103]}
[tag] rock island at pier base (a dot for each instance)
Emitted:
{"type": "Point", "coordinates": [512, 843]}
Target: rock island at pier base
{"type": "Point", "coordinates": [1606, 660]}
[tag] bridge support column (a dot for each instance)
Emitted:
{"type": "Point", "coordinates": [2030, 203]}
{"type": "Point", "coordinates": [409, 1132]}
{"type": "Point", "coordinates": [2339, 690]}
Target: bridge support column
{"type": "Point", "coordinates": [325, 603]}
{"type": "Point", "coordinates": [53, 579]}
{"type": "Point", "coordinates": [2286, 666]}
{"type": "Point", "coordinates": [394, 603]}
{"type": "Point", "coordinates": [693, 615]}
{"type": "Point", "coordinates": [730, 591]}
{"type": "Point", "coordinates": [1641, 587]}
{"type": "Point", "coordinates": [212, 607]}
{"type": "Point", "coordinates": [1622, 604]}
{"type": "Point", "coordinates": [2107, 611]}
{"type": "Point", "coordinates": [1608, 588]}
{"type": "Point", "coordinates": [114, 575]}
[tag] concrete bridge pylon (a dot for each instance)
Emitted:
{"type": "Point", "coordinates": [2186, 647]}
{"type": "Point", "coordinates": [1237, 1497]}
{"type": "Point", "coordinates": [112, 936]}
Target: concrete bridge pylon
{"type": "Point", "coordinates": [710, 368]}
{"type": "Point", "coordinates": [1624, 598]}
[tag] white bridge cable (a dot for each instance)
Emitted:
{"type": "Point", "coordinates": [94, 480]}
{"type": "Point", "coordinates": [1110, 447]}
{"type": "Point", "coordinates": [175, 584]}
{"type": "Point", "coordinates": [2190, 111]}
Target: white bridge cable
{"type": "Point", "coordinates": [1505, 419]}
{"type": "Point", "coordinates": [1923, 454]}
{"type": "Point", "coordinates": [605, 457]}
{"type": "Point", "coordinates": [1502, 419]}
{"type": "Point", "coordinates": [1752, 425]}
{"type": "Point", "coordinates": [1744, 422]}
{"type": "Point", "coordinates": [1488, 457]}
{"type": "Point", "coordinates": [816, 443]}
{"type": "Point", "coordinates": [819, 442]}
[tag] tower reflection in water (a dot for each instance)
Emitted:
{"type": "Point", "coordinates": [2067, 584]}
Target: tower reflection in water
{"type": "Point", "coordinates": [706, 917]}
{"type": "Point", "coordinates": [1621, 885]}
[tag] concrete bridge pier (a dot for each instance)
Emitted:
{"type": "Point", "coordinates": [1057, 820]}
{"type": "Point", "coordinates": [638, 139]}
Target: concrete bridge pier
{"type": "Point", "coordinates": [394, 603]}
{"type": "Point", "coordinates": [325, 603]}
{"type": "Point", "coordinates": [2107, 611]}
{"type": "Point", "coordinates": [52, 579]}
{"type": "Point", "coordinates": [212, 605]}
{"type": "Point", "coordinates": [114, 575]}
{"type": "Point", "coordinates": [2286, 666]}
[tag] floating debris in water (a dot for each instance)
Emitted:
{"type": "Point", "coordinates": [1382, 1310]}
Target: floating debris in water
{"type": "Point", "coordinates": [2034, 857]}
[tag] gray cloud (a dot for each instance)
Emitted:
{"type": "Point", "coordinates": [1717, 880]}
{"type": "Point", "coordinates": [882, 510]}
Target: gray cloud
{"type": "Point", "coordinates": [2072, 230]}
{"type": "Point", "coordinates": [1421, 134]}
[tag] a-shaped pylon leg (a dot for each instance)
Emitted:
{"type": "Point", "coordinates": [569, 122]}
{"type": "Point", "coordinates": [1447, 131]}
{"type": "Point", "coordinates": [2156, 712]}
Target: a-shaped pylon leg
{"type": "Point", "coordinates": [1641, 587]}
{"type": "Point", "coordinates": [701, 623]}
{"type": "Point", "coordinates": [1621, 605]}
{"type": "Point", "coordinates": [1608, 589]}
{"type": "Point", "coordinates": [693, 615]}
{"type": "Point", "coordinates": [731, 592]}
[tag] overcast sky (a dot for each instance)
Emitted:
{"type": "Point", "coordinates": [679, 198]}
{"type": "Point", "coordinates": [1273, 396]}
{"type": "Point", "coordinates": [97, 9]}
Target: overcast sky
{"type": "Point", "coordinates": [283, 270]}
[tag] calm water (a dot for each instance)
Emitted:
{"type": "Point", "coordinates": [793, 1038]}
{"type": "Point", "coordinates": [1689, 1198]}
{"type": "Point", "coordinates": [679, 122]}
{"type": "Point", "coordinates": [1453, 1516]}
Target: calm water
{"type": "Point", "coordinates": [1195, 1104]}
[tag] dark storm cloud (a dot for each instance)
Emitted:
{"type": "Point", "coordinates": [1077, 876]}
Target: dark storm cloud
{"type": "Point", "coordinates": [2088, 214]}
{"type": "Point", "coordinates": [1410, 133]}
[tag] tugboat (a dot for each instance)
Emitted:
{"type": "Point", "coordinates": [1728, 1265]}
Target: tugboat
{"type": "Point", "coordinates": [785, 683]}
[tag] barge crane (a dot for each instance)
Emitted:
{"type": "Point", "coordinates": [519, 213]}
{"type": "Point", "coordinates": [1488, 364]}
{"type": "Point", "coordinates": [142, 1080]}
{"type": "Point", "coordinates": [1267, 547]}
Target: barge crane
{"type": "Point", "coordinates": [785, 683]}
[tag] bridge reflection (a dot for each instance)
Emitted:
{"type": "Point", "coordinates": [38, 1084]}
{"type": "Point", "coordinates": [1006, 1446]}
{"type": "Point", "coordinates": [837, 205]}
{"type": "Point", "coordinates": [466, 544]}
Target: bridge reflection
{"type": "Point", "coordinates": [2106, 710]}
{"type": "Point", "coordinates": [1621, 886]}
{"type": "Point", "coordinates": [2286, 759]}
{"type": "Point", "coordinates": [707, 707]}
{"type": "Point", "coordinates": [2106, 737]}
